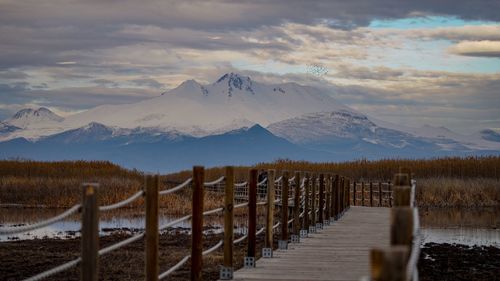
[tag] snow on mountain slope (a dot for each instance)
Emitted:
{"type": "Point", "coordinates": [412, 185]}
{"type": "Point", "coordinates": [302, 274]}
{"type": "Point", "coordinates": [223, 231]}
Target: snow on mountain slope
{"type": "Point", "coordinates": [232, 102]}
{"type": "Point", "coordinates": [26, 118]}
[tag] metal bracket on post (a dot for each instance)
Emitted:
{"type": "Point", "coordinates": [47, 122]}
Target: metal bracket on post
{"type": "Point", "coordinates": [226, 273]}
{"type": "Point", "coordinates": [249, 262]}
{"type": "Point", "coordinates": [283, 244]}
{"type": "Point", "coordinates": [303, 233]}
{"type": "Point", "coordinates": [312, 229]}
{"type": "Point", "coordinates": [267, 252]}
{"type": "Point", "coordinates": [319, 225]}
{"type": "Point", "coordinates": [326, 222]}
{"type": "Point", "coordinates": [295, 238]}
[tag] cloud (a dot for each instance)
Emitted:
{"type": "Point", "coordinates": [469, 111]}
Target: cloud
{"type": "Point", "coordinates": [483, 48]}
{"type": "Point", "coordinates": [148, 83]}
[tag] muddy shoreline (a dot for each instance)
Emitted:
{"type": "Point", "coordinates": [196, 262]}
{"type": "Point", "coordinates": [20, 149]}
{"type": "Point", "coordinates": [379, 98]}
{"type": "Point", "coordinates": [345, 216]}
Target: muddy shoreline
{"type": "Point", "coordinates": [26, 258]}
{"type": "Point", "coordinates": [23, 259]}
{"type": "Point", "coordinates": [459, 262]}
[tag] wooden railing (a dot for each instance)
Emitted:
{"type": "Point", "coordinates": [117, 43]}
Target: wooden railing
{"type": "Point", "coordinates": [306, 203]}
{"type": "Point", "coordinates": [399, 261]}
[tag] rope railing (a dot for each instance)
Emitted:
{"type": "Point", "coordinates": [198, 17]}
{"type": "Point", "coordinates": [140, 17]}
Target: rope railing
{"type": "Point", "coordinates": [177, 188]}
{"type": "Point", "coordinates": [34, 226]}
{"type": "Point", "coordinates": [122, 203]}
{"type": "Point", "coordinates": [296, 193]}
{"type": "Point", "coordinates": [217, 181]}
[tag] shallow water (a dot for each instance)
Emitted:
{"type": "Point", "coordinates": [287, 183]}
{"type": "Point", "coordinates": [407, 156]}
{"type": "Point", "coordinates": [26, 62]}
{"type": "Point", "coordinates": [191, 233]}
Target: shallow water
{"type": "Point", "coordinates": [461, 226]}
{"type": "Point", "coordinates": [128, 220]}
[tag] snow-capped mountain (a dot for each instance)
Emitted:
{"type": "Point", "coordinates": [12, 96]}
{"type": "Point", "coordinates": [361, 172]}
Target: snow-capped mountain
{"type": "Point", "coordinates": [26, 118]}
{"type": "Point", "coordinates": [228, 117]}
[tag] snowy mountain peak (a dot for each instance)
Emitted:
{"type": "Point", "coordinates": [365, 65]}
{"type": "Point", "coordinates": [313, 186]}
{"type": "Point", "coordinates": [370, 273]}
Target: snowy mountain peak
{"type": "Point", "coordinates": [236, 81]}
{"type": "Point", "coordinates": [28, 117]}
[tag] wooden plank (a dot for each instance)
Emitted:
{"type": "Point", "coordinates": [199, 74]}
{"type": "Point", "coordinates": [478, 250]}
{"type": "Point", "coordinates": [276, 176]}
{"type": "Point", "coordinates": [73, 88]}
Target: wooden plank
{"type": "Point", "coordinates": [339, 252]}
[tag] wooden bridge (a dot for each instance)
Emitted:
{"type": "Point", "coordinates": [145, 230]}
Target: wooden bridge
{"type": "Point", "coordinates": [327, 228]}
{"type": "Point", "coordinates": [341, 251]}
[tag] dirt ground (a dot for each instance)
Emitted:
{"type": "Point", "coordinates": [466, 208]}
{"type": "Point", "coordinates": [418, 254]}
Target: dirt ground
{"type": "Point", "coordinates": [459, 262]}
{"type": "Point", "coordinates": [23, 259]}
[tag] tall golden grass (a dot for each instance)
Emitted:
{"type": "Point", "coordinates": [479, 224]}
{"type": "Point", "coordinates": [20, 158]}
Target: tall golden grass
{"type": "Point", "coordinates": [58, 184]}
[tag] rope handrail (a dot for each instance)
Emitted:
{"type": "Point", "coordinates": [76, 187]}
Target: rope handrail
{"type": "Point", "coordinates": [290, 221]}
{"type": "Point", "coordinates": [186, 258]}
{"type": "Point", "coordinates": [240, 239]}
{"type": "Point", "coordinates": [261, 203]}
{"type": "Point", "coordinates": [240, 205]}
{"type": "Point", "coordinates": [213, 211]}
{"type": "Point", "coordinates": [57, 269]}
{"type": "Point", "coordinates": [276, 225]}
{"type": "Point", "coordinates": [215, 247]}
{"type": "Point", "coordinates": [174, 268]}
{"type": "Point", "coordinates": [174, 222]}
{"type": "Point", "coordinates": [210, 183]}
{"type": "Point", "coordinates": [278, 179]}
{"type": "Point", "coordinates": [241, 184]}
{"type": "Point", "coordinates": [121, 244]}
{"type": "Point", "coordinates": [122, 203]}
{"type": "Point", "coordinates": [262, 182]}
{"type": "Point", "coordinates": [291, 179]}
{"type": "Point", "coordinates": [179, 187]}
{"type": "Point", "coordinates": [40, 224]}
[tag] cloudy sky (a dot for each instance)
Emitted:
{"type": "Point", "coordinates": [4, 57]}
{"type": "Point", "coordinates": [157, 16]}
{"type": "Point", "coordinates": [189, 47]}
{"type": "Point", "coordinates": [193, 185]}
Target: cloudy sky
{"type": "Point", "coordinates": [409, 62]}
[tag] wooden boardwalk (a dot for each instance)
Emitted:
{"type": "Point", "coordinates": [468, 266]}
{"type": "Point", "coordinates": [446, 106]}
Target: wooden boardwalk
{"type": "Point", "coordinates": [338, 252]}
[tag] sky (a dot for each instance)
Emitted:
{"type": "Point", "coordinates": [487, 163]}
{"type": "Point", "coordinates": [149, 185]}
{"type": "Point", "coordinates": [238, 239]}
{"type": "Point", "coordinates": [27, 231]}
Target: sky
{"type": "Point", "coordinates": [407, 62]}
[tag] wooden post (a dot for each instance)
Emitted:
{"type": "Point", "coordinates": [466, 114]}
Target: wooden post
{"type": "Point", "coordinates": [362, 193]}
{"type": "Point", "coordinates": [305, 219]}
{"type": "Point", "coordinates": [321, 197]}
{"type": "Point", "coordinates": [354, 193]}
{"type": "Point", "coordinates": [347, 193]}
{"type": "Point", "coordinates": [313, 201]}
{"type": "Point", "coordinates": [152, 231]}
{"type": "Point", "coordinates": [336, 199]}
{"type": "Point", "coordinates": [284, 207]}
{"type": "Point", "coordinates": [270, 208]}
{"type": "Point", "coordinates": [332, 196]}
{"type": "Point", "coordinates": [229, 218]}
{"type": "Point", "coordinates": [296, 207]}
{"type": "Point", "coordinates": [197, 223]}
{"type": "Point", "coordinates": [390, 193]}
{"type": "Point", "coordinates": [252, 212]}
{"type": "Point", "coordinates": [328, 188]}
{"type": "Point", "coordinates": [379, 194]}
{"type": "Point", "coordinates": [90, 233]}
{"type": "Point", "coordinates": [388, 264]}
{"type": "Point", "coordinates": [402, 226]}
{"type": "Point", "coordinates": [402, 192]}
{"type": "Point", "coordinates": [371, 194]}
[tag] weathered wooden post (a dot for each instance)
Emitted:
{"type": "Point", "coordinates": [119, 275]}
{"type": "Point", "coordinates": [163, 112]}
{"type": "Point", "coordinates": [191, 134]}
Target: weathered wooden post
{"type": "Point", "coordinates": [152, 231]}
{"type": "Point", "coordinates": [90, 233]}
{"type": "Point", "coordinates": [252, 218]}
{"type": "Point", "coordinates": [327, 202]}
{"type": "Point", "coordinates": [197, 223]}
{"type": "Point", "coordinates": [348, 187]}
{"type": "Point", "coordinates": [227, 269]}
{"type": "Point", "coordinates": [389, 189]}
{"type": "Point", "coordinates": [267, 251]}
{"type": "Point", "coordinates": [312, 227]}
{"type": "Point", "coordinates": [283, 243]}
{"type": "Point", "coordinates": [362, 193]}
{"type": "Point", "coordinates": [402, 213]}
{"type": "Point", "coordinates": [379, 194]}
{"type": "Point", "coordinates": [321, 203]}
{"type": "Point", "coordinates": [305, 219]}
{"type": "Point", "coordinates": [332, 199]}
{"type": "Point", "coordinates": [371, 194]}
{"type": "Point", "coordinates": [354, 193]}
{"type": "Point", "coordinates": [336, 200]}
{"type": "Point", "coordinates": [296, 210]}
{"type": "Point", "coordinates": [388, 264]}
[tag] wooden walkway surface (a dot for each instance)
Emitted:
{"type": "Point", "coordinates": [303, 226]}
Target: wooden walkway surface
{"type": "Point", "coordinates": [338, 252]}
